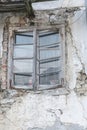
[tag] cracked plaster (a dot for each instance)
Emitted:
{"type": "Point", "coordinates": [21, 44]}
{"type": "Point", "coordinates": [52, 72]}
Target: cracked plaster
{"type": "Point", "coordinates": [43, 111]}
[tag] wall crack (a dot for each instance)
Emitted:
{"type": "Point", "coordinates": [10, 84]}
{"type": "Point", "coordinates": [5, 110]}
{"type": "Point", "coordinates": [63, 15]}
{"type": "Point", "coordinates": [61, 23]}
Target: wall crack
{"type": "Point", "coordinates": [69, 31]}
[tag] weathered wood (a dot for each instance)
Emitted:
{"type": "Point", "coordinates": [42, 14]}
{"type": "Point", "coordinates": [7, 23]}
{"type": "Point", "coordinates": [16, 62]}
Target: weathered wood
{"type": "Point", "coordinates": [16, 6]}
{"type": "Point", "coordinates": [29, 9]}
{"type": "Point", "coordinates": [12, 6]}
{"type": "Point", "coordinates": [35, 60]}
{"type": "Point", "coordinates": [19, 6]}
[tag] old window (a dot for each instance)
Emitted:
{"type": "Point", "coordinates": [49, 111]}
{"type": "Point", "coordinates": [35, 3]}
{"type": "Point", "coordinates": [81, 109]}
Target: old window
{"type": "Point", "coordinates": [38, 59]}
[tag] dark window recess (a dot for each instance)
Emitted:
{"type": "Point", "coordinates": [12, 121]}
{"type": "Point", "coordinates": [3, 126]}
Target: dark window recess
{"type": "Point", "coordinates": [48, 59]}
{"type": "Point", "coordinates": [23, 79]}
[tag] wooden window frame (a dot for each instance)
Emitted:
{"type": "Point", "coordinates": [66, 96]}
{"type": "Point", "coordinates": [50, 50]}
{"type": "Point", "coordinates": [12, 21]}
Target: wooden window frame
{"type": "Point", "coordinates": [36, 86]}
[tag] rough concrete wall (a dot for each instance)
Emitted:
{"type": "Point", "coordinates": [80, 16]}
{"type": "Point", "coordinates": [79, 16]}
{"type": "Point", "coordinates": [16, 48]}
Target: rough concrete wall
{"type": "Point", "coordinates": [43, 112]}
{"type": "Point", "coordinates": [47, 110]}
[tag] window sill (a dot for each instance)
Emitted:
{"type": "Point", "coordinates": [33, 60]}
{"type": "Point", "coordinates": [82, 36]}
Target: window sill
{"type": "Point", "coordinates": [53, 91]}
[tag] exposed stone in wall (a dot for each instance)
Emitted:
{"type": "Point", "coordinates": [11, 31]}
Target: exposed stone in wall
{"type": "Point", "coordinates": [81, 84]}
{"type": "Point", "coordinates": [5, 56]}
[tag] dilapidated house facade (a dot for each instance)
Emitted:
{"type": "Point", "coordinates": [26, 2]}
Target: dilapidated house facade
{"type": "Point", "coordinates": [43, 65]}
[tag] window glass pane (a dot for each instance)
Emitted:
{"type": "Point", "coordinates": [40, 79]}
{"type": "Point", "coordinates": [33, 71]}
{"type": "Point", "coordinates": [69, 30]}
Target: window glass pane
{"type": "Point", "coordinates": [50, 58]}
{"type": "Point", "coordinates": [50, 67]}
{"type": "Point", "coordinates": [45, 54]}
{"type": "Point", "coordinates": [23, 66]}
{"type": "Point", "coordinates": [49, 39]}
{"type": "Point", "coordinates": [51, 79]}
{"type": "Point", "coordinates": [23, 80]}
{"type": "Point", "coordinates": [23, 51]}
{"type": "Point", "coordinates": [23, 39]}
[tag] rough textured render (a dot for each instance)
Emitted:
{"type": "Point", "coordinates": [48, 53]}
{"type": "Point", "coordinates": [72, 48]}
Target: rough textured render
{"type": "Point", "coordinates": [59, 109]}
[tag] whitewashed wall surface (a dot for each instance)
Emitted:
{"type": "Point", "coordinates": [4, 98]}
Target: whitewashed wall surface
{"type": "Point", "coordinates": [59, 109]}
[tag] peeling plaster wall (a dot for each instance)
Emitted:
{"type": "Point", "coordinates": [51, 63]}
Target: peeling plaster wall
{"type": "Point", "coordinates": [43, 112]}
{"type": "Point", "coordinates": [51, 110]}
{"type": "Point", "coordinates": [1, 35]}
{"type": "Point", "coordinates": [77, 47]}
